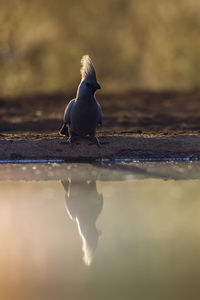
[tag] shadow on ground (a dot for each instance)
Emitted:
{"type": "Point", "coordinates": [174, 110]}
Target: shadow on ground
{"type": "Point", "coordinates": [130, 113]}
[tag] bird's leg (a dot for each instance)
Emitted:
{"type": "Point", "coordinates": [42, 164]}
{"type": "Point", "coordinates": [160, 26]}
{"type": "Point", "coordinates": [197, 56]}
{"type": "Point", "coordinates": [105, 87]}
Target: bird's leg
{"type": "Point", "coordinates": [72, 140]}
{"type": "Point", "coordinates": [69, 140]}
{"type": "Point", "coordinates": [94, 141]}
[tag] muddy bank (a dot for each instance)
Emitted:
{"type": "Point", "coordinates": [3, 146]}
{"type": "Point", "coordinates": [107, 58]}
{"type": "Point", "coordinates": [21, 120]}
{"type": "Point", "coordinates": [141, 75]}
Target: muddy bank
{"type": "Point", "coordinates": [186, 147]}
{"type": "Point", "coordinates": [130, 113]}
{"type": "Point", "coordinates": [138, 125]}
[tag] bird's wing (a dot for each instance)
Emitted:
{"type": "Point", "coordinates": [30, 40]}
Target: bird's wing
{"type": "Point", "coordinates": [100, 114]}
{"type": "Point", "coordinates": [67, 113]}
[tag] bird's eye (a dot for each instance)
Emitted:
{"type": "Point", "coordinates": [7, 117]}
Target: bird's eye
{"type": "Point", "coordinates": [88, 85]}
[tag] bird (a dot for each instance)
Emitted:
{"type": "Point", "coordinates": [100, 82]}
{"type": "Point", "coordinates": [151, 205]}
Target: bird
{"type": "Point", "coordinates": [84, 205]}
{"type": "Point", "coordinates": [83, 114]}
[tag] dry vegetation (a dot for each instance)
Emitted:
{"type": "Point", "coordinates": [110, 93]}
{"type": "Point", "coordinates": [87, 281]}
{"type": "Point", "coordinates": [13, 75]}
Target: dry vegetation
{"type": "Point", "coordinates": [134, 44]}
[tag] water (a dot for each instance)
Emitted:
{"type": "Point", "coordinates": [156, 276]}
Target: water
{"type": "Point", "coordinates": [80, 231]}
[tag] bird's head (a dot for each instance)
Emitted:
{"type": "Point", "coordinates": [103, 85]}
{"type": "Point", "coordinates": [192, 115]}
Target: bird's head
{"type": "Point", "coordinates": [89, 84]}
{"type": "Point", "coordinates": [92, 86]}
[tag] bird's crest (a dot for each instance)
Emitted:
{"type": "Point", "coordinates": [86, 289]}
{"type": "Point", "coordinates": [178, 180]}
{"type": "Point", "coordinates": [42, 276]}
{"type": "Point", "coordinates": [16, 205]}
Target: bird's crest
{"type": "Point", "coordinates": [87, 69]}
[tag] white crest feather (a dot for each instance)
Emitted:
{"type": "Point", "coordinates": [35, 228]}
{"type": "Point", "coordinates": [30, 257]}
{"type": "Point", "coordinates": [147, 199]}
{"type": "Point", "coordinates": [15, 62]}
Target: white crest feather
{"type": "Point", "coordinates": [87, 69]}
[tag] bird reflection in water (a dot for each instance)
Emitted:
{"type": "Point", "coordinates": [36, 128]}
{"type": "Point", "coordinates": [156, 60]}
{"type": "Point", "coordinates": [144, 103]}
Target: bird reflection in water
{"type": "Point", "coordinates": [84, 204]}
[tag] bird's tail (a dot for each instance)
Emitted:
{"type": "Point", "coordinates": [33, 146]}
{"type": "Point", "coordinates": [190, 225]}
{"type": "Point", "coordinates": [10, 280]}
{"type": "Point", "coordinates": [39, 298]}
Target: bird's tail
{"type": "Point", "coordinates": [64, 130]}
{"type": "Point", "coordinates": [87, 69]}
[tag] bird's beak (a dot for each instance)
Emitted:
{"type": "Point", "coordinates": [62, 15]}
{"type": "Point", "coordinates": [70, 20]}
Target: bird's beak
{"type": "Point", "coordinates": [98, 87]}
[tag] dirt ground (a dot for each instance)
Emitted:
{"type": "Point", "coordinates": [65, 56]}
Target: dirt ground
{"type": "Point", "coordinates": [140, 125]}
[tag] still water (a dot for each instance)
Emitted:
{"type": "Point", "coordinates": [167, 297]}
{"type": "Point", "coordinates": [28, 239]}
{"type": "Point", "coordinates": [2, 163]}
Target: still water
{"type": "Point", "coordinates": [100, 232]}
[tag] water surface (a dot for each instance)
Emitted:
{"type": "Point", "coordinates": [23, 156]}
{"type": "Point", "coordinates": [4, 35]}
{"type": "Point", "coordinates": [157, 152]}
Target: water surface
{"type": "Point", "coordinates": [106, 233]}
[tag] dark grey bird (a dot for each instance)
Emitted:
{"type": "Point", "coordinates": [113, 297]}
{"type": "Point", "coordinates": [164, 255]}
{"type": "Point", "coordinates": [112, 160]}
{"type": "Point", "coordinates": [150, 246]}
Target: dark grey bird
{"type": "Point", "coordinates": [83, 114]}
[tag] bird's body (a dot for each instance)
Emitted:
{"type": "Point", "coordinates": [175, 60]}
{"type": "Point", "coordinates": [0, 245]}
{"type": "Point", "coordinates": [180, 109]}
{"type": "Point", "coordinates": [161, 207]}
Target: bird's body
{"type": "Point", "coordinates": [84, 113]}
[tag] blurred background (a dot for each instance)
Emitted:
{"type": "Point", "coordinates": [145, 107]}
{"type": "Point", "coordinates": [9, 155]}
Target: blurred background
{"type": "Point", "coordinates": [137, 44]}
